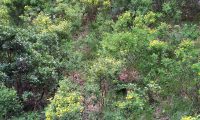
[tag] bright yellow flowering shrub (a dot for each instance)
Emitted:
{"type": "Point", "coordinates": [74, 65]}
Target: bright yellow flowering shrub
{"type": "Point", "coordinates": [189, 118]}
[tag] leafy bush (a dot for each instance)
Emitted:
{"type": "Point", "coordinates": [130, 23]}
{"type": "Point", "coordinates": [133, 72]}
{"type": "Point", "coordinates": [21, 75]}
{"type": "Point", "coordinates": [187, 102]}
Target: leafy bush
{"type": "Point", "coordinates": [65, 105]}
{"type": "Point", "coordinates": [120, 59]}
{"type": "Point", "coordinates": [29, 116]}
{"type": "Point", "coordinates": [190, 118]}
{"type": "Point", "coordinates": [9, 102]}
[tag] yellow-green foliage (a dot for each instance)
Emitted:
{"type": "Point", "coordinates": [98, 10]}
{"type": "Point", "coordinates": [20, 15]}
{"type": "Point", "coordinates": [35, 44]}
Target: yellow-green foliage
{"type": "Point", "coordinates": [62, 27]}
{"type": "Point", "coordinates": [132, 101]}
{"type": "Point", "coordinates": [45, 24]}
{"type": "Point", "coordinates": [106, 3]}
{"type": "Point", "coordinates": [123, 22]}
{"type": "Point", "coordinates": [105, 66]}
{"type": "Point", "coordinates": [91, 2]}
{"type": "Point", "coordinates": [66, 104]}
{"type": "Point", "coordinates": [4, 16]}
{"type": "Point", "coordinates": [196, 68]}
{"type": "Point", "coordinates": [189, 118]}
{"type": "Point", "coordinates": [120, 59]}
{"type": "Point", "coordinates": [158, 45]}
{"type": "Point", "coordinates": [145, 20]}
{"type": "Point", "coordinates": [42, 20]}
{"type": "Point", "coordinates": [185, 48]}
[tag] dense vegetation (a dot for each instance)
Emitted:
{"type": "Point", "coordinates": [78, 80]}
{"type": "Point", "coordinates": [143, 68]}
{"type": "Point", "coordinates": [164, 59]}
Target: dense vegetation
{"type": "Point", "coordinates": [99, 60]}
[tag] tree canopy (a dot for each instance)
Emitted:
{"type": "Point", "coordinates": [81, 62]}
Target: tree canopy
{"type": "Point", "coordinates": [99, 60]}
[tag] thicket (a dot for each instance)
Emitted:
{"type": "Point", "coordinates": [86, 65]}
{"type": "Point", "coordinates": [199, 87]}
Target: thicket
{"type": "Point", "coordinates": [99, 59]}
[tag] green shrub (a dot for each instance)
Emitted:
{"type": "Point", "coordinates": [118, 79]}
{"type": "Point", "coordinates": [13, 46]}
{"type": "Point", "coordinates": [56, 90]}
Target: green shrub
{"type": "Point", "coordinates": [190, 117]}
{"type": "Point", "coordinates": [9, 103]}
{"type": "Point", "coordinates": [29, 116]}
{"type": "Point", "coordinates": [66, 104]}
